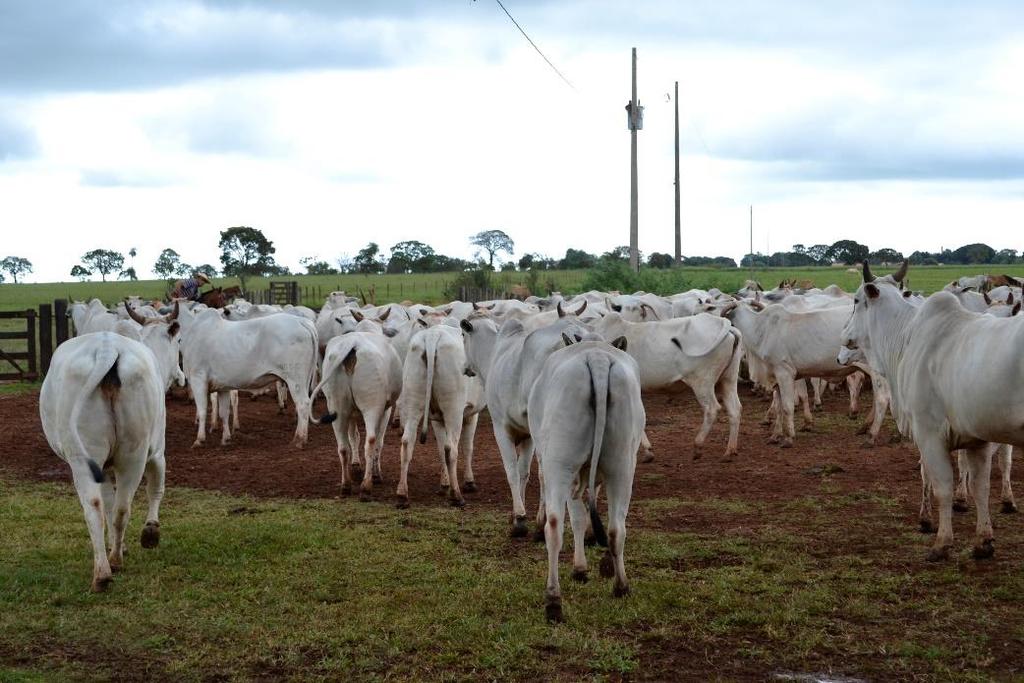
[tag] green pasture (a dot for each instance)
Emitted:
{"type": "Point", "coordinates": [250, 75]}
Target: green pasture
{"type": "Point", "coordinates": [244, 589]}
{"type": "Point", "coordinates": [429, 288]}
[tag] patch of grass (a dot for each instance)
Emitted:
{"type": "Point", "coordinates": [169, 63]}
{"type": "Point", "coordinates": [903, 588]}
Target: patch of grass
{"type": "Point", "coordinates": [15, 388]}
{"type": "Point", "coordinates": [343, 590]}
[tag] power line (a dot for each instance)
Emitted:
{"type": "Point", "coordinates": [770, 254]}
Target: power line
{"type": "Point", "coordinates": [553, 67]}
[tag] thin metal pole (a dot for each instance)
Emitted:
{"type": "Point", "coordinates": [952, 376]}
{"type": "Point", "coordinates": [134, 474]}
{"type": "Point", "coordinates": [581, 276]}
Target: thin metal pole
{"type": "Point", "coordinates": [679, 239]}
{"type": "Point", "coordinates": [634, 253]}
{"type": "Point", "coordinates": [751, 240]}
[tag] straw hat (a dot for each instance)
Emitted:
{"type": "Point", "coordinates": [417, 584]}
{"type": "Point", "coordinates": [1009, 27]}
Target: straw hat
{"type": "Point", "coordinates": [200, 276]}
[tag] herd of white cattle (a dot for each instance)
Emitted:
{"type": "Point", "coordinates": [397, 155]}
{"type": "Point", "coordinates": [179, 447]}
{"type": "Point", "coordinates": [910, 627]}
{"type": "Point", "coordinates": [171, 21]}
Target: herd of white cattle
{"type": "Point", "coordinates": [561, 379]}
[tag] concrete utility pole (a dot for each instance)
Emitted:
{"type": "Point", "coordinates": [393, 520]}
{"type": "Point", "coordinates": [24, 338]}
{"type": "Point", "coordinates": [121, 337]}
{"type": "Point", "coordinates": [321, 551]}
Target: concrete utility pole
{"type": "Point", "coordinates": [636, 122]}
{"type": "Point", "coordinates": [679, 239]}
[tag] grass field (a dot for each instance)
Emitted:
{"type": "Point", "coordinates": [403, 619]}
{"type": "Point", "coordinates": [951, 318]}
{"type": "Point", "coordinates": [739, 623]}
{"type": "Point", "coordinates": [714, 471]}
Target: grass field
{"type": "Point", "coordinates": [242, 589]}
{"type": "Point", "coordinates": [429, 288]}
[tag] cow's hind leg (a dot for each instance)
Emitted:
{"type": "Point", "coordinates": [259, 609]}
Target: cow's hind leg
{"type": "Point", "coordinates": [406, 450]}
{"type": "Point", "coordinates": [554, 531]}
{"type": "Point", "coordinates": [980, 462]}
{"type": "Point", "coordinates": [155, 474]}
{"type": "Point", "coordinates": [925, 514]}
{"type": "Point", "coordinates": [964, 485]}
{"type": "Point", "coordinates": [128, 479]}
{"type": "Point", "coordinates": [618, 489]}
{"type": "Point", "coordinates": [303, 406]}
{"type": "Point", "coordinates": [935, 456]}
{"type": "Point", "coordinates": [466, 446]}
{"type": "Point", "coordinates": [224, 409]}
{"type": "Point", "coordinates": [200, 393]}
{"type": "Point", "coordinates": [371, 422]}
{"type": "Point", "coordinates": [1005, 465]}
{"type": "Point", "coordinates": [705, 394]}
{"type": "Point", "coordinates": [92, 506]}
{"type": "Point", "coordinates": [579, 519]}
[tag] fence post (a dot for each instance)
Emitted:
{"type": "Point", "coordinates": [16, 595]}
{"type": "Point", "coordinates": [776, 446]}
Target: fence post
{"type": "Point", "coordinates": [45, 337]}
{"type": "Point", "coordinates": [30, 324]}
{"type": "Point", "coordinates": [60, 319]}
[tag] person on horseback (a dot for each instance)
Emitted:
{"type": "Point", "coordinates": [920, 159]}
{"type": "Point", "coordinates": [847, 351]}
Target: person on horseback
{"type": "Point", "coordinates": [189, 287]}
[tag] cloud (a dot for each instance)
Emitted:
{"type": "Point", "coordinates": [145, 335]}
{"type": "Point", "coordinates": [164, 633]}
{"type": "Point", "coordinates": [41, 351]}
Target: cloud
{"type": "Point", "coordinates": [17, 141]}
{"type": "Point", "coordinates": [132, 177]}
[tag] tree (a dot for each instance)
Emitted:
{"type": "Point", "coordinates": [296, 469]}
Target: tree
{"type": "Point", "coordinates": [847, 252]}
{"type": "Point", "coordinates": [127, 274]}
{"type": "Point", "coordinates": [103, 261]}
{"type": "Point", "coordinates": [1004, 256]}
{"type": "Point", "coordinates": [818, 253]}
{"type": "Point", "coordinates": [659, 260]}
{"type": "Point", "coordinates": [493, 241]}
{"type": "Point", "coordinates": [345, 263]}
{"type": "Point", "coordinates": [413, 256]}
{"type": "Point", "coordinates": [15, 266]}
{"type": "Point", "coordinates": [368, 260]}
{"type": "Point", "coordinates": [616, 254]}
{"type": "Point", "coordinates": [80, 272]}
{"type": "Point", "coordinates": [169, 264]}
{"type": "Point", "coordinates": [754, 261]}
{"type": "Point", "coordinates": [576, 258]}
{"type": "Point", "coordinates": [245, 252]}
{"type": "Point", "coordinates": [315, 266]}
{"type": "Point", "coordinates": [973, 253]}
{"type": "Point", "coordinates": [885, 255]}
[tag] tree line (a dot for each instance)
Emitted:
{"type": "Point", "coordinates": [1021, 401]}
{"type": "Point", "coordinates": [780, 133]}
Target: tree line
{"type": "Point", "coordinates": [849, 252]}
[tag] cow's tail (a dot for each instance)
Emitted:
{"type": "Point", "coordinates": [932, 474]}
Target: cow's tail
{"type": "Point", "coordinates": [430, 354]}
{"type": "Point", "coordinates": [325, 374]}
{"type": "Point", "coordinates": [316, 358]}
{"type": "Point", "coordinates": [599, 366]}
{"type": "Point", "coordinates": [737, 350]}
{"type": "Point", "coordinates": [105, 378]}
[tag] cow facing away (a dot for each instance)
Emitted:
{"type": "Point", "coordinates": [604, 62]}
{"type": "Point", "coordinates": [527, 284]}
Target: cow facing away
{"type": "Point", "coordinates": [585, 409]}
{"type": "Point", "coordinates": [102, 409]}
{"type": "Point", "coordinates": [362, 376]}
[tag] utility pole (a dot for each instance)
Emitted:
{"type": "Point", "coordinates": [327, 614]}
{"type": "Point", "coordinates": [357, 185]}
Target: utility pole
{"type": "Point", "coordinates": [636, 122]}
{"type": "Point", "coordinates": [751, 240]}
{"type": "Point", "coordinates": [679, 239]}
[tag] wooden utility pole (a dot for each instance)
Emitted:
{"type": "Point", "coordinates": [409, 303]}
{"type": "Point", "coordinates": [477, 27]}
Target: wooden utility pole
{"type": "Point", "coordinates": [751, 240]}
{"type": "Point", "coordinates": [635, 122]}
{"type": "Point", "coordinates": [679, 239]}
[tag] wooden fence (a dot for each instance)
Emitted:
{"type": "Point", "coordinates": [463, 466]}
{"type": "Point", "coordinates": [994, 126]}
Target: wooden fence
{"type": "Point", "coordinates": [44, 331]}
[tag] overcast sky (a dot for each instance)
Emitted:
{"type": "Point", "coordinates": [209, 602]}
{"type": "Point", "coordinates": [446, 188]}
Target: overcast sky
{"type": "Point", "coordinates": [328, 124]}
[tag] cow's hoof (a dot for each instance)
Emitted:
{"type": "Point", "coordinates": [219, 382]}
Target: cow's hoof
{"type": "Point", "coordinates": [116, 564]}
{"type": "Point", "coordinates": [589, 540]}
{"type": "Point", "coordinates": [519, 528]}
{"type": "Point", "coordinates": [807, 427]}
{"type": "Point", "coordinates": [457, 502]}
{"type": "Point", "coordinates": [356, 471]}
{"type": "Point", "coordinates": [365, 496]}
{"type": "Point", "coordinates": [984, 551]}
{"type": "Point", "coordinates": [786, 443]}
{"type": "Point", "coordinates": [647, 457]}
{"type": "Point", "coordinates": [620, 590]}
{"type": "Point", "coordinates": [538, 535]}
{"type": "Point", "coordinates": [774, 439]}
{"type": "Point", "coordinates": [607, 566]}
{"type": "Point", "coordinates": [960, 506]}
{"type": "Point", "coordinates": [938, 554]}
{"type": "Point", "coordinates": [151, 535]}
{"type": "Point", "coordinates": [346, 489]}
{"type": "Point", "coordinates": [1008, 508]}
{"type": "Point", "coordinates": [926, 526]}
{"type": "Point", "coordinates": [553, 611]}
{"type": "Point", "coordinates": [852, 415]}
{"type": "Point", "coordinates": [580, 575]}
{"type": "Point", "coordinates": [402, 503]}
{"type": "Point", "coordinates": [101, 584]}
{"type": "Point", "coordinates": [697, 452]}
{"type": "Point", "coordinates": [197, 443]}
{"type": "Point", "coordinates": [377, 479]}
{"type": "Point", "coordinates": [442, 490]}
{"type": "Point", "coordinates": [469, 487]}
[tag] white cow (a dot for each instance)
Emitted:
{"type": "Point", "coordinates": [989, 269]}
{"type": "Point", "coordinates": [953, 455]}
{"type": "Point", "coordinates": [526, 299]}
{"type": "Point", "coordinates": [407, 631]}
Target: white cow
{"type": "Point", "coordinates": [102, 409]}
{"type": "Point", "coordinates": [433, 390]}
{"type": "Point", "coordinates": [703, 351]}
{"type": "Point", "coordinates": [790, 345]}
{"type": "Point", "coordinates": [362, 375]}
{"type": "Point", "coordinates": [508, 361]}
{"type": "Point", "coordinates": [161, 336]}
{"type": "Point", "coordinates": [585, 408]}
{"type": "Point", "coordinates": [249, 354]}
{"type": "Point", "coordinates": [91, 317]}
{"type": "Point", "coordinates": [956, 382]}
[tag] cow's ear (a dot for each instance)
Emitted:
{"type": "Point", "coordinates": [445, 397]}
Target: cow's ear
{"type": "Point", "coordinates": [175, 327]}
{"type": "Point", "coordinates": [620, 343]}
{"type": "Point", "coordinates": [907, 293]}
{"type": "Point", "coordinates": [871, 290]}
{"type": "Point", "coordinates": [1009, 299]}
{"type": "Point", "coordinates": [617, 308]}
{"type": "Point", "coordinates": [357, 315]}
{"type": "Point", "coordinates": [1016, 309]}
{"type": "Point", "coordinates": [466, 326]}
{"type": "Point", "coordinates": [567, 339]}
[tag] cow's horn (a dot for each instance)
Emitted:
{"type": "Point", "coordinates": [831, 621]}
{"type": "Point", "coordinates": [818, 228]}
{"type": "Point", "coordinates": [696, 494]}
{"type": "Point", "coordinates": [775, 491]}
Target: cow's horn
{"type": "Point", "coordinates": [173, 315]}
{"type": "Point", "coordinates": [582, 308]}
{"type": "Point", "coordinates": [132, 314]}
{"type": "Point", "coordinates": [561, 313]}
{"type": "Point", "coordinates": [902, 272]}
{"type": "Point", "coordinates": [868, 277]}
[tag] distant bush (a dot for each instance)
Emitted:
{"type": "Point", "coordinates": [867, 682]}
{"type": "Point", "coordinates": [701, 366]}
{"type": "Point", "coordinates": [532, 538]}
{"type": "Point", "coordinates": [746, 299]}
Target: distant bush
{"type": "Point", "coordinates": [608, 275]}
